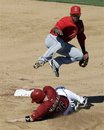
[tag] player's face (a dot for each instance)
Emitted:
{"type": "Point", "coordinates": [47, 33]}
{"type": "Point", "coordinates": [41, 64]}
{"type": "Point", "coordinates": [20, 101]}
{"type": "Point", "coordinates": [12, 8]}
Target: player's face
{"type": "Point", "coordinates": [75, 17]}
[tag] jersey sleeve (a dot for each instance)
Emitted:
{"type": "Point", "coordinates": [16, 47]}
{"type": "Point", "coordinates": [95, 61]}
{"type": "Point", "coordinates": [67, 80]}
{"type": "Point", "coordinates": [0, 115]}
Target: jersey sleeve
{"type": "Point", "coordinates": [50, 92]}
{"type": "Point", "coordinates": [41, 111]}
{"type": "Point", "coordinates": [60, 24]}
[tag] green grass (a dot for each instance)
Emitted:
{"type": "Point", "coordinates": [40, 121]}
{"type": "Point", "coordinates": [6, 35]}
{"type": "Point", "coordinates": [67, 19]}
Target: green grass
{"type": "Point", "coordinates": [84, 2]}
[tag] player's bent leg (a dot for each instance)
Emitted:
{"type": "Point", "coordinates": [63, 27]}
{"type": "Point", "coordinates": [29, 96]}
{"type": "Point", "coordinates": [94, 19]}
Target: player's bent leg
{"type": "Point", "coordinates": [82, 100]}
{"type": "Point", "coordinates": [53, 46]}
{"type": "Point", "coordinates": [75, 54]}
{"type": "Point", "coordinates": [54, 68]}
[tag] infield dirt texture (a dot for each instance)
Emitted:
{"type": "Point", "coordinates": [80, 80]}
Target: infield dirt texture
{"type": "Point", "coordinates": [24, 25]}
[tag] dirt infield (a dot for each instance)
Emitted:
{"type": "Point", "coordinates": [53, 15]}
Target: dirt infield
{"type": "Point", "coordinates": [24, 25]}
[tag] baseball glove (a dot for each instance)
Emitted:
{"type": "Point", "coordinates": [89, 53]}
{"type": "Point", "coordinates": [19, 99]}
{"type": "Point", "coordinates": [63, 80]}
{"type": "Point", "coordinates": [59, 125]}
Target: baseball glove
{"type": "Point", "coordinates": [83, 63]}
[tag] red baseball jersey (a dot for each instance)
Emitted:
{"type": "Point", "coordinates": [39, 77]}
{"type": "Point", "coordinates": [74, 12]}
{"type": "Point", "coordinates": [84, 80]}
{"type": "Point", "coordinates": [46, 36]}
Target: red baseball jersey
{"type": "Point", "coordinates": [70, 29]}
{"type": "Point", "coordinates": [53, 104]}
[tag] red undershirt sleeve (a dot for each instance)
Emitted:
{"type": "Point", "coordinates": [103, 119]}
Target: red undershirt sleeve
{"type": "Point", "coordinates": [41, 111]}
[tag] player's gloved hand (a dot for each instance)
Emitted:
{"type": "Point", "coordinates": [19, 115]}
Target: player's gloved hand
{"type": "Point", "coordinates": [57, 31]}
{"type": "Point", "coordinates": [84, 61]}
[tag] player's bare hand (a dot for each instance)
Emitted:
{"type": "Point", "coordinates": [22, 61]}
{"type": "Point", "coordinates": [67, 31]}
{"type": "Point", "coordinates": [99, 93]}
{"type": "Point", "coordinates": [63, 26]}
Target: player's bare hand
{"type": "Point", "coordinates": [86, 56]}
{"type": "Point", "coordinates": [57, 31]}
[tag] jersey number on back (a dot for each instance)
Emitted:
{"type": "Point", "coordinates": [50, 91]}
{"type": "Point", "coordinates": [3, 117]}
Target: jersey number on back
{"type": "Point", "coordinates": [61, 107]}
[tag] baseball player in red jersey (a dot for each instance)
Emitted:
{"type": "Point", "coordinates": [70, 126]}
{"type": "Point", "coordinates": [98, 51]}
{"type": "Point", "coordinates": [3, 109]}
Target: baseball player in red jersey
{"type": "Point", "coordinates": [58, 41]}
{"type": "Point", "coordinates": [51, 102]}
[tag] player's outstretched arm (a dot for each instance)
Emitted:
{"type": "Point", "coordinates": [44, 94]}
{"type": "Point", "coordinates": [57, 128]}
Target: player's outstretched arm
{"type": "Point", "coordinates": [23, 119]}
{"type": "Point", "coordinates": [16, 120]}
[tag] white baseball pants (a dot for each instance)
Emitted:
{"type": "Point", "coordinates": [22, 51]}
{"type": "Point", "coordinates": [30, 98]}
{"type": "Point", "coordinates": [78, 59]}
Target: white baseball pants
{"type": "Point", "coordinates": [68, 52]}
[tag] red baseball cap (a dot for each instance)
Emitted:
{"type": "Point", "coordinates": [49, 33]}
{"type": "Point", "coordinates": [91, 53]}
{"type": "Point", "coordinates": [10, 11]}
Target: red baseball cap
{"type": "Point", "coordinates": [75, 10]}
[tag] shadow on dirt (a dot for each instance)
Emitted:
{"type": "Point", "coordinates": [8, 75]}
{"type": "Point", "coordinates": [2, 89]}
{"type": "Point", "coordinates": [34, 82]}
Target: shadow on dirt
{"type": "Point", "coordinates": [95, 99]}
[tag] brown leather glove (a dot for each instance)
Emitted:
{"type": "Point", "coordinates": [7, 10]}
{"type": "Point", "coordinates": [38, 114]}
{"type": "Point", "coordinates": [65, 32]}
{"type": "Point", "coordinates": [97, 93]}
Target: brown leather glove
{"type": "Point", "coordinates": [84, 61]}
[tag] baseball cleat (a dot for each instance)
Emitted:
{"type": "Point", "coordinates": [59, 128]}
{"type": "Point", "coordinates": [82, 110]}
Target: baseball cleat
{"type": "Point", "coordinates": [85, 102]}
{"type": "Point", "coordinates": [55, 70]}
{"type": "Point", "coordinates": [38, 64]}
